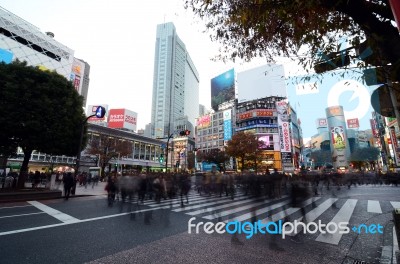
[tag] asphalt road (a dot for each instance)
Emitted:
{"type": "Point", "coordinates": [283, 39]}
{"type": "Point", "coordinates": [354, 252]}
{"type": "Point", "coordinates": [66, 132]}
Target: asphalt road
{"type": "Point", "coordinates": [87, 230]}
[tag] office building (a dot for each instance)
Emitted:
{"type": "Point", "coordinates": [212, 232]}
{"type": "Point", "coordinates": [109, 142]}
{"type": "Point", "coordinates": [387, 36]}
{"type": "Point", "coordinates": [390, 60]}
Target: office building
{"type": "Point", "coordinates": [175, 84]}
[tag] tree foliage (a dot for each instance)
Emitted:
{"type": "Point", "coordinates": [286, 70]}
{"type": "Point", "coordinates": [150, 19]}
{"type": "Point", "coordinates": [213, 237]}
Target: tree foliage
{"type": "Point", "coordinates": [268, 28]}
{"type": "Point", "coordinates": [108, 148]}
{"type": "Point", "coordinates": [41, 110]}
{"type": "Point", "coordinates": [365, 154]}
{"type": "Point", "coordinates": [244, 147]}
{"type": "Point", "coordinates": [362, 156]}
{"type": "Point", "coordinates": [321, 157]}
{"type": "Point", "coordinates": [214, 156]}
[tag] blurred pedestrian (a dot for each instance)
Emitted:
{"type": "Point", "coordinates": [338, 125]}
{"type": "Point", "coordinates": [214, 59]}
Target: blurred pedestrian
{"type": "Point", "coordinates": [68, 181]}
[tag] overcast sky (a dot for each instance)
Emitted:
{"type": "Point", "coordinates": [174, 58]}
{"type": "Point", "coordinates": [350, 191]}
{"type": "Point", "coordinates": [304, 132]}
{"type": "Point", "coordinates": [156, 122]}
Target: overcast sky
{"type": "Point", "coordinates": [117, 39]}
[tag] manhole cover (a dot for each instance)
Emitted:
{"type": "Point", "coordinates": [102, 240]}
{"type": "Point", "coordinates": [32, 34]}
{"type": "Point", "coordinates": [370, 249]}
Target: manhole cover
{"type": "Point", "coordinates": [353, 261]}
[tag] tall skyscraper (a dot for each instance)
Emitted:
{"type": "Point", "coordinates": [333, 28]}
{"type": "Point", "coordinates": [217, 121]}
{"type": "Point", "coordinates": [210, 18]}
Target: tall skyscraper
{"type": "Point", "coordinates": [175, 84]}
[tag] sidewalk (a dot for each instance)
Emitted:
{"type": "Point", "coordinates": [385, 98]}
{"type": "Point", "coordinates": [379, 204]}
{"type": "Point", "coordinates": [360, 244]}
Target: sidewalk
{"type": "Point", "coordinates": [40, 193]}
{"type": "Point", "coordinates": [90, 189]}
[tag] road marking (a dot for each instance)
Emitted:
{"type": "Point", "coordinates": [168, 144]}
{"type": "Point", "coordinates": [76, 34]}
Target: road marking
{"type": "Point", "coordinates": [8, 207]}
{"type": "Point", "coordinates": [314, 214]}
{"type": "Point", "coordinates": [219, 201]}
{"type": "Point", "coordinates": [343, 215]}
{"type": "Point", "coordinates": [395, 204]}
{"type": "Point", "coordinates": [210, 209]}
{"type": "Point", "coordinates": [374, 207]}
{"type": "Point", "coordinates": [282, 214]}
{"type": "Point", "coordinates": [79, 221]}
{"type": "Point", "coordinates": [9, 216]}
{"type": "Point", "coordinates": [54, 213]}
{"type": "Point", "coordinates": [258, 212]}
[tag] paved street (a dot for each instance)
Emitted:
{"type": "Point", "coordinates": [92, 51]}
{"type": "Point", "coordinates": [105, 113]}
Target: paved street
{"type": "Point", "coordinates": [86, 230]}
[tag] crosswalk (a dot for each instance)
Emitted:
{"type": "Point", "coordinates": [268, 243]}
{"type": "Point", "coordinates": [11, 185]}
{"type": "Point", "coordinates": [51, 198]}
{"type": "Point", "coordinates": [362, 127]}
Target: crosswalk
{"type": "Point", "coordinates": [243, 208]}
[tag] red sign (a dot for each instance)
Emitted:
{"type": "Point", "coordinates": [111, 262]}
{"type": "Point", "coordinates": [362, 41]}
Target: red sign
{"type": "Point", "coordinates": [116, 118]}
{"type": "Point", "coordinates": [265, 113]}
{"type": "Point", "coordinates": [353, 123]}
{"type": "Point", "coordinates": [373, 128]}
{"type": "Point", "coordinates": [256, 113]}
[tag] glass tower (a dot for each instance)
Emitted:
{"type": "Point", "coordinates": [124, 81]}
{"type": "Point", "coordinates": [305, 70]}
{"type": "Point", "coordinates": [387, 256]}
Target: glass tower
{"type": "Point", "coordinates": [175, 83]}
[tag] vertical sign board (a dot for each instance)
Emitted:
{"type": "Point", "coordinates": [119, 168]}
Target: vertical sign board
{"type": "Point", "coordinates": [78, 68]}
{"type": "Point", "coordinates": [227, 125]}
{"type": "Point", "coordinates": [393, 139]}
{"type": "Point", "coordinates": [284, 133]}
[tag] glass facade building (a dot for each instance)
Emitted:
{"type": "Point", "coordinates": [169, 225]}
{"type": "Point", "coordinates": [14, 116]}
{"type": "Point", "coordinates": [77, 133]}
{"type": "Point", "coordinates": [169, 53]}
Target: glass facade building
{"type": "Point", "coordinates": [175, 83]}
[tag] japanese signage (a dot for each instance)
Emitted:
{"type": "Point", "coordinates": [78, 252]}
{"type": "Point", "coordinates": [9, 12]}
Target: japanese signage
{"type": "Point", "coordinates": [374, 129]}
{"type": "Point", "coordinates": [283, 126]}
{"type": "Point", "coordinates": [353, 123]}
{"type": "Point", "coordinates": [322, 122]}
{"type": "Point", "coordinates": [255, 113]}
{"type": "Point", "coordinates": [227, 125]}
{"type": "Point", "coordinates": [77, 74]}
{"type": "Point", "coordinates": [122, 118]}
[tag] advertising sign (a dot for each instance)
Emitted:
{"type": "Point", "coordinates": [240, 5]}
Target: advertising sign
{"type": "Point", "coordinates": [6, 56]}
{"type": "Point", "coordinates": [338, 139]}
{"type": "Point", "coordinates": [394, 144]}
{"type": "Point", "coordinates": [222, 88]}
{"type": "Point", "coordinates": [322, 122]}
{"type": "Point", "coordinates": [283, 126]}
{"type": "Point", "coordinates": [78, 68]}
{"type": "Point", "coordinates": [255, 113]}
{"type": "Point", "coordinates": [353, 123]}
{"type": "Point", "coordinates": [204, 121]}
{"type": "Point", "coordinates": [374, 129]}
{"type": "Point", "coordinates": [122, 118]}
{"type": "Point", "coordinates": [91, 110]}
{"type": "Point", "coordinates": [227, 125]}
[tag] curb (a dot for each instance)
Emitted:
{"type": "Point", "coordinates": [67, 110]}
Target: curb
{"type": "Point", "coordinates": [390, 249]}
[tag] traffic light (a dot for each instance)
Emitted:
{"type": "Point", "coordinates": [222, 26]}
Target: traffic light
{"type": "Point", "coordinates": [184, 133]}
{"type": "Point", "coordinates": [161, 158]}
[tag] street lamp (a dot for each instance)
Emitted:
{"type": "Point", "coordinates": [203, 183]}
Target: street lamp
{"type": "Point", "coordinates": [100, 112]}
{"type": "Point", "coordinates": [166, 158]}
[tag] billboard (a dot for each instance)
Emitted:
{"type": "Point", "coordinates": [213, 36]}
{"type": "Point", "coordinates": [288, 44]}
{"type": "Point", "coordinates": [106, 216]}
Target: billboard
{"type": "Point", "coordinates": [222, 88]}
{"type": "Point", "coordinates": [76, 75]}
{"type": "Point", "coordinates": [91, 110]}
{"type": "Point", "coordinates": [6, 56]}
{"type": "Point", "coordinates": [338, 138]}
{"type": "Point", "coordinates": [227, 125]}
{"type": "Point", "coordinates": [260, 82]}
{"type": "Point", "coordinates": [203, 122]}
{"type": "Point", "coordinates": [122, 118]}
{"type": "Point", "coordinates": [353, 123]}
{"type": "Point", "coordinates": [283, 126]}
{"type": "Point", "coordinates": [322, 122]}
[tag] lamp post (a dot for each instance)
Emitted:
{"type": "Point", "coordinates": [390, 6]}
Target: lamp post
{"type": "Point", "coordinates": [166, 155]}
{"type": "Point", "coordinates": [100, 112]}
